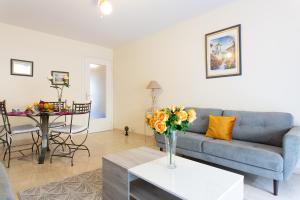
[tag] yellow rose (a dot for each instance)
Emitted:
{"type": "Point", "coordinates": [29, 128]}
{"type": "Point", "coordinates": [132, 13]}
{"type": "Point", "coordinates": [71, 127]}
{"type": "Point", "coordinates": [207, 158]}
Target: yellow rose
{"type": "Point", "coordinates": [147, 121]}
{"type": "Point", "coordinates": [192, 116]}
{"type": "Point", "coordinates": [149, 116]}
{"type": "Point", "coordinates": [178, 115]}
{"type": "Point", "coordinates": [162, 116]}
{"type": "Point", "coordinates": [160, 127]}
{"type": "Point", "coordinates": [192, 119]}
{"type": "Point", "coordinates": [182, 115]}
{"type": "Point", "coordinates": [172, 108]}
{"type": "Point", "coordinates": [152, 122]}
{"type": "Point", "coordinates": [156, 113]}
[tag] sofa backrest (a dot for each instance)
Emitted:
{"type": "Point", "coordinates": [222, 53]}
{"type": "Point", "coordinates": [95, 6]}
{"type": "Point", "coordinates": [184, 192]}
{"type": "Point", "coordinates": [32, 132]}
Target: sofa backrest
{"type": "Point", "coordinates": [261, 127]}
{"type": "Point", "coordinates": [200, 125]}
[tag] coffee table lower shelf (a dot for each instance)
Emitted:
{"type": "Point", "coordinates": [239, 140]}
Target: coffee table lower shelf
{"type": "Point", "coordinates": [142, 190]}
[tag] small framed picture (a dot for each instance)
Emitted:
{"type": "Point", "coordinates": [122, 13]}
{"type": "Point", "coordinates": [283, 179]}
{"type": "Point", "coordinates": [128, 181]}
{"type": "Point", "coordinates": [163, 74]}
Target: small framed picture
{"type": "Point", "coordinates": [223, 52]}
{"type": "Point", "coordinates": [21, 67]}
{"type": "Point", "coordinates": [60, 78]}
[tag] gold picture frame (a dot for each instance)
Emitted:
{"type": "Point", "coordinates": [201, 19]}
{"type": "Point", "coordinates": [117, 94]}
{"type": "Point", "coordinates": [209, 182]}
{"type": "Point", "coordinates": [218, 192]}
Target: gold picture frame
{"type": "Point", "coordinates": [223, 52]}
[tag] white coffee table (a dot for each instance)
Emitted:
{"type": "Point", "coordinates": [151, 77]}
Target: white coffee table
{"type": "Point", "coordinates": [190, 180]}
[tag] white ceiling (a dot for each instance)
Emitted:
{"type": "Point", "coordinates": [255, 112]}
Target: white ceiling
{"type": "Point", "coordinates": [80, 19]}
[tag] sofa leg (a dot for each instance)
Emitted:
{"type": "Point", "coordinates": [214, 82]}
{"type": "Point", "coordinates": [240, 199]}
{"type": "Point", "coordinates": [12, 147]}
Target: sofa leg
{"type": "Point", "coordinates": [275, 187]}
{"type": "Point", "coordinates": [161, 149]}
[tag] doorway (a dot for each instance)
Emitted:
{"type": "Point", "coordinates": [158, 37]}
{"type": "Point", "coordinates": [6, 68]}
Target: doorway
{"type": "Point", "coordinates": [99, 91]}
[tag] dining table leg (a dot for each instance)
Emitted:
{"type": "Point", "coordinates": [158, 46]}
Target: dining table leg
{"type": "Point", "coordinates": [45, 130]}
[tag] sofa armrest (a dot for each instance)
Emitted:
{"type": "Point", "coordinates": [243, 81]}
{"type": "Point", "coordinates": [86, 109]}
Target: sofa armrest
{"type": "Point", "coordinates": [5, 187]}
{"type": "Point", "coordinates": [291, 151]}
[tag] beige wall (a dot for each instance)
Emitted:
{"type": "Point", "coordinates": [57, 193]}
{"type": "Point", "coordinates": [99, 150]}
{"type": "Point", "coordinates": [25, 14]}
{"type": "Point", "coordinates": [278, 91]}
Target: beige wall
{"type": "Point", "coordinates": [175, 58]}
{"type": "Point", "coordinates": [48, 53]}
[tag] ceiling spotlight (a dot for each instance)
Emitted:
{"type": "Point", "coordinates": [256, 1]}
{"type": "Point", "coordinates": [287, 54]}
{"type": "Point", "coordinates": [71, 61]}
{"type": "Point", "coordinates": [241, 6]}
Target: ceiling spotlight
{"type": "Point", "coordinates": [105, 7]}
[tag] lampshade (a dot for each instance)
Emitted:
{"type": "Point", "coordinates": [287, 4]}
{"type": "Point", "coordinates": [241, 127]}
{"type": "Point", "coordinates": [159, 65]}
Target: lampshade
{"type": "Point", "coordinates": [153, 85]}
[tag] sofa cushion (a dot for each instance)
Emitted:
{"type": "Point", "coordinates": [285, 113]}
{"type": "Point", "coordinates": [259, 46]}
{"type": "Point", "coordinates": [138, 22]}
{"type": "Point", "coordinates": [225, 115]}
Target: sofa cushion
{"type": "Point", "coordinates": [220, 127]}
{"type": "Point", "coordinates": [259, 155]}
{"type": "Point", "coordinates": [188, 141]}
{"type": "Point", "coordinates": [261, 127]}
{"type": "Point", "coordinates": [200, 125]}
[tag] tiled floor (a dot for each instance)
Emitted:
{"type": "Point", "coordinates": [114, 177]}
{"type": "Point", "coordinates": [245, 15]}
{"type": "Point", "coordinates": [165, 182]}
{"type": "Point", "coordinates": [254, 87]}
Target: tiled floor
{"type": "Point", "coordinates": [26, 173]}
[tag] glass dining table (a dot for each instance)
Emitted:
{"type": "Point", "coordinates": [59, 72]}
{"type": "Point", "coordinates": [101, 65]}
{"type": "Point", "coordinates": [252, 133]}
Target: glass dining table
{"type": "Point", "coordinates": [43, 123]}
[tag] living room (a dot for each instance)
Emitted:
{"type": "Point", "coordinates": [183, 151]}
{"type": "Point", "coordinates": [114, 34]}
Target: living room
{"type": "Point", "coordinates": [222, 58]}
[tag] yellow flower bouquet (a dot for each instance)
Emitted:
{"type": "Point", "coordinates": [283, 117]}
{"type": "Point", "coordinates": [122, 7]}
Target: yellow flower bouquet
{"type": "Point", "coordinates": [167, 121]}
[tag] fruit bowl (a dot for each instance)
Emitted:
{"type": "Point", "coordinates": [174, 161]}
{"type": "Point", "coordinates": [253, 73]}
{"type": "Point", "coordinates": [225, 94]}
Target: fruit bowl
{"type": "Point", "coordinates": [43, 107]}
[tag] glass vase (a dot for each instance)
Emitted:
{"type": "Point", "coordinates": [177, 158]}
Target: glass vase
{"type": "Point", "coordinates": [59, 104]}
{"type": "Point", "coordinates": [171, 141]}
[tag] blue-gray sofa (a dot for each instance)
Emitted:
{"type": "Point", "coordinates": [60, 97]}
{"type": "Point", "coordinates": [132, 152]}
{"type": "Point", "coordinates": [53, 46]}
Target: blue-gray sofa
{"type": "Point", "coordinates": [264, 143]}
{"type": "Point", "coordinates": [5, 187]}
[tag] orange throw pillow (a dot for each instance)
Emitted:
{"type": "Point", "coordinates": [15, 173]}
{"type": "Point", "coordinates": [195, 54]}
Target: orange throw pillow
{"type": "Point", "coordinates": [220, 127]}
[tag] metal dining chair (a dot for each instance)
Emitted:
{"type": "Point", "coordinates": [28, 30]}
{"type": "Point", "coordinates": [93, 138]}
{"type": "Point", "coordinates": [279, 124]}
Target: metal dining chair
{"type": "Point", "coordinates": [12, 131]}
{"type": "Point", "coordinates": [69, 132]}
{"type": "Point", "coordinates": [57, 106]}
{"type": "Point", "coordinates": [2, 135]}
{"type": "Point", "coordinates": [55, 137]}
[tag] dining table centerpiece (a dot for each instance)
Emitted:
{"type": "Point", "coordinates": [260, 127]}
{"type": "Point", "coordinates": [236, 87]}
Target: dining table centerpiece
{"type": "Point", "coordinates": [168, 121]}
{"type": "Point", "coordinates": [59, 85]}
{"type": "Point", "coordinates": [43, 107]}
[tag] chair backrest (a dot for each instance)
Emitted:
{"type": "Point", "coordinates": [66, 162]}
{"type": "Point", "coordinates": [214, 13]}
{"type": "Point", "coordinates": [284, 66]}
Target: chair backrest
{"type": "Point", "coordinates": [81, 109]}
{"type": "Point", "coordinates": [57, 104]}
{"type": "Point", "coordinates": [4, 117]}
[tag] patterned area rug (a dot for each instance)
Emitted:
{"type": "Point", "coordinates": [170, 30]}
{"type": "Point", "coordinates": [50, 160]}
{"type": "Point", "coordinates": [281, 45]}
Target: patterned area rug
{"type": "Point", "coordinates": [86, 186]}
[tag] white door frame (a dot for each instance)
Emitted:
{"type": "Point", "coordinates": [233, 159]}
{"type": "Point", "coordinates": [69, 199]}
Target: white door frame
{"type": "Point", "coordinates": [106, 123]}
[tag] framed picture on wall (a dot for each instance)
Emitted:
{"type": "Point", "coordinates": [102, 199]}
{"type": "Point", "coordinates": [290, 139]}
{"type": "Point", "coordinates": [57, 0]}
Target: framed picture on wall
{"type": "Point", "coordinates": [59, 78]}
{"type": "Point", "coordinates": [21, 67]}
{"type": "Point", "coordinates": [223, 52]}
